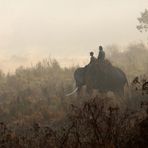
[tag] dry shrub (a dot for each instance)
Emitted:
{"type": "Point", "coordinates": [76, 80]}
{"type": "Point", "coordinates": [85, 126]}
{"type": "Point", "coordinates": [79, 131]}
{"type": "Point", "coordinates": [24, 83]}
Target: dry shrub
{"type": "Point", "coordinates": [91, 124]}
{"type": "Point", "coordinates": [94, 125]}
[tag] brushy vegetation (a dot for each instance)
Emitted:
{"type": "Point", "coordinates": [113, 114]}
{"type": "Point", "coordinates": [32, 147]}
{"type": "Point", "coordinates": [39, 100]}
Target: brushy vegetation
{"type": "Point", "coordinates": [34, 93]}
{"type": "Point", "coordinates": [35, 113]}
{"type": "Point", "coordinates": [90, 125]}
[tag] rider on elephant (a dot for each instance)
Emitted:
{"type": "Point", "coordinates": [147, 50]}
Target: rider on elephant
{"type": "Point", "coordinates": [104, 65]}
{"type": "Point", "coordinates": [92, 58]}
{"type": "Point", "coordinates": [101, 56]}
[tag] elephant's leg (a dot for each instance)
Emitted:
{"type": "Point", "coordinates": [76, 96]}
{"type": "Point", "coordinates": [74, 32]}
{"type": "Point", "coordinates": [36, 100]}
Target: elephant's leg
{"type": "Point", "coordinates": [118, 91]}
{"type": "Point", "coordinates": [79, 91]}
{"type": "Point", "coordinates": [102, 93]}
{"type": "Point", "coordinates": [121, 93]}
{"type": "Point", "coordinates": [89, 87]}
{"type": "Point", "coordinates": [89, 90]}
{"type": "Point", "coordinates": [120, 96]}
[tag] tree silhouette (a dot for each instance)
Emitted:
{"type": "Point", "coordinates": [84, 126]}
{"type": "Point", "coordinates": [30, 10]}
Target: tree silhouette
{"type": "Point", "coordinates": [143, 21]}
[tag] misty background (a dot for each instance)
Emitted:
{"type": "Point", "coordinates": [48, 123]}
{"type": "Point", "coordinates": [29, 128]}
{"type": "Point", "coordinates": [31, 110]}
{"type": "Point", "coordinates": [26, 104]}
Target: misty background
{"type": "Point", "coordinates": [42, 42]}
{"type": "Point", "coordinates": [66, 30]}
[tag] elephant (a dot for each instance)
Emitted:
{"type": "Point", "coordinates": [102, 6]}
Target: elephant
{"type": "Point", "coordinates": [104, 78]}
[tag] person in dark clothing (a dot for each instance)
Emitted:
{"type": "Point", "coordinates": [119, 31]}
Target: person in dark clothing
{"type": "Point", "coordinates": [101, 56]}
{"type": "Point", "coordinates": [92, 58]}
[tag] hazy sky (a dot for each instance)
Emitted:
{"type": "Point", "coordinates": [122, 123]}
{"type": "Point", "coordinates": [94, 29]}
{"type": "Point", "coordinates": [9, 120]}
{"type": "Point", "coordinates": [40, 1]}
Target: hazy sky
{"type": "Point", "coordinates": [33, 29]}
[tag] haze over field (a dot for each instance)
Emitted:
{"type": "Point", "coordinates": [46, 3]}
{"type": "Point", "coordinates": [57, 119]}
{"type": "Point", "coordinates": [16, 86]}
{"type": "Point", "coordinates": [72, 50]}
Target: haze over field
{"type": "Point", "coordinates": [49, 97]}
{"type": "Point", "coordinates": [67, 30]}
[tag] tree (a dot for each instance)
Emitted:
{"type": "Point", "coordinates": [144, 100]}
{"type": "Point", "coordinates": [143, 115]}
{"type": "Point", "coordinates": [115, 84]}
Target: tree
{"type": "Point", "coordinates": [143, 21]}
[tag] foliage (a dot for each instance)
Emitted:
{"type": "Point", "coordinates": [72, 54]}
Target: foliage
{"type": "Point", "coordinates": [92, 124]}
{"type": "Point", "coordinates": [35, 92]}
{"type": "Point", "coordinates": [143, 21]}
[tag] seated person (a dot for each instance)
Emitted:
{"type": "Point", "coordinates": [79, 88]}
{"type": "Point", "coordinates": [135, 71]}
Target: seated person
{"type": "Point", "coordinates": [92, 58]}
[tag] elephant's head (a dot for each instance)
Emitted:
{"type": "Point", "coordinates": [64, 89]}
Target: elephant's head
{"type": "Point", "coordinates": [85, 76]}
{"type": "Point", "coordinates": [79, 76]}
